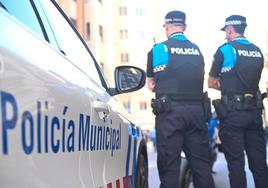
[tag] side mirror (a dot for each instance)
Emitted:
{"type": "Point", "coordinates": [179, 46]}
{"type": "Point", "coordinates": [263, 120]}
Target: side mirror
{"type": "Point", "coordinates": [128, 78]}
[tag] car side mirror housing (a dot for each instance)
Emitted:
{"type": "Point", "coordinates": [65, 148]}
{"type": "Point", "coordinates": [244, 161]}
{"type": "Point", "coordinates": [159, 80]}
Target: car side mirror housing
{"type": "Point", "coordinates": [128, 79]}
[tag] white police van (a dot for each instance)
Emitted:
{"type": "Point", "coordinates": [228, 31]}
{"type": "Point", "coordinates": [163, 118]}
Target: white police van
{"type": "Point", "coordinates": [60, 125]}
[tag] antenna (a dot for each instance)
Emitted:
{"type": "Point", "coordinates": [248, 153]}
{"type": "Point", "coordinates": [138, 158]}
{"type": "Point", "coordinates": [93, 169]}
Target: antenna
{"type": "Point", "coordinates": [154, 40]}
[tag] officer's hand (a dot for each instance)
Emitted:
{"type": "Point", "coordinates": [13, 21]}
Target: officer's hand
{"type": "Point", "coordinates": [150, 83]}
{"type": "Point", "coordinates": [214, 82]}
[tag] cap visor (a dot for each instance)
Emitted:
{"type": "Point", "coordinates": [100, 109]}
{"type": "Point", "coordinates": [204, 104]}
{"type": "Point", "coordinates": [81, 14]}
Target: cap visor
{"type": "Point", "coordinates": [223, 29]}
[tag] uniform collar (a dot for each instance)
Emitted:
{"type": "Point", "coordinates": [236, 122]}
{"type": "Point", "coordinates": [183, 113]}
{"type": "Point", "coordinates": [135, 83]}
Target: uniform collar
{"type": "Point", "coordinates": [239, 38]}
{"type": "Point", "coordinates": [178, 36]}
{"type": "Point", "coordinates": [242, 40]}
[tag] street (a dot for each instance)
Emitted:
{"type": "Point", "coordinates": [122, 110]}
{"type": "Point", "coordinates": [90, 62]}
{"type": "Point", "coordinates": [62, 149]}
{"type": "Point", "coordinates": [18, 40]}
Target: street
{"type": "Point", "coordinates": [220, 167]}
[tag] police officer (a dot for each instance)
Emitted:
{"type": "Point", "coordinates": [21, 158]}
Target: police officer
{"type": "Point", "coordinates": [236, 72]}
{"type": "Point", "coordinates": [175, 72]}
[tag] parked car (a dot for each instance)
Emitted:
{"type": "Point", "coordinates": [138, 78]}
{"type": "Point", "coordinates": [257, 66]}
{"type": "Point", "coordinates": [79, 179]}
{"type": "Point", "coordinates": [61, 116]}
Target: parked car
{"type": "Point", "coordinates": [61, 123]}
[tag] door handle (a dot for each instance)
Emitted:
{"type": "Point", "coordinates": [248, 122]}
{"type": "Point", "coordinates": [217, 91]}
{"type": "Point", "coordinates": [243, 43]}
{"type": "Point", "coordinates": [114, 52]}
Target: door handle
{"type": "Point", "coordinates": [102, 109]}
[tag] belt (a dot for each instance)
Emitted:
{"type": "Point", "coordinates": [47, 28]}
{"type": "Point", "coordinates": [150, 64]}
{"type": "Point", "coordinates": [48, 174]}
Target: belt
{"type": "Point", "coordinates": [185, 102]}
{"type": "Point", "coordinates": [182, 98]}
{"type": "Point", "coordinates": [238, 97]}
{"type": "Point", "coordinates": [239, 102]}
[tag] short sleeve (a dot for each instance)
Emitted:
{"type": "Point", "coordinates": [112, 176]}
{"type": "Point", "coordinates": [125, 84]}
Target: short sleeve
{"type": "Point", "coordinates": [149, 70]}
{"type": "Point", "coordinates": [216, 64]}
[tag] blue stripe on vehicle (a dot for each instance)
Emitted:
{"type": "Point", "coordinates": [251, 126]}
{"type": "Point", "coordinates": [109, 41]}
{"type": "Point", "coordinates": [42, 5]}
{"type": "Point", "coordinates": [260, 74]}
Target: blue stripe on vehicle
{"type": "Point", "coordinates": [134, 168]}
{"type": "Point", "coordinates": [128, 158]}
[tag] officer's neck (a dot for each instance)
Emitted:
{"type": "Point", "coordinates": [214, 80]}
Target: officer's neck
{"type": "Point", "coordinates": [171, 29]}
{"type": "Point", "coordinates": [236, 36]}
{"type": "Point", "coordinates": [175, 34]}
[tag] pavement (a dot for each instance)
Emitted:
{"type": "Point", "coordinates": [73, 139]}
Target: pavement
{"type": "Point", "coordinates": [220, 167]}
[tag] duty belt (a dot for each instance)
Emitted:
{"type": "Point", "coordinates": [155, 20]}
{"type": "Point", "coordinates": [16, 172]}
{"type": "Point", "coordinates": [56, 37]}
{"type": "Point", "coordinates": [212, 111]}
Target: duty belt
{"type": "Point", "coordinates": [238, 98]}
{"type": "Point", "coordinates": [239, 102]}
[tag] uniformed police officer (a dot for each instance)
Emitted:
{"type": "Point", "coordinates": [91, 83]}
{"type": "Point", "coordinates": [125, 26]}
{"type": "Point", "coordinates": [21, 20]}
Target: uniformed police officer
{"type": "Point", "coordinates": [175, 72]}
{"type": "Point", "coordinates": [236, 72]}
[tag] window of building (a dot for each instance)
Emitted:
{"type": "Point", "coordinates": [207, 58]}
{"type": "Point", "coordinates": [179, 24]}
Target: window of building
{"type": "Point", "coordinates": [123, 34]}
{"type": "Point", "coordinates": [122, 11]}
{"type": "Point", "coordinates": [143, 105]}
{"type": "Point", "coordinates": [139, 11]}
{"type": "Point", "coordinates": [124, 58]}
{"type": "Point", "coordinates": [127, 105]}
{"type": "Point", "coordinates": [101, 32]}
{"type": "Point", "coordinates": [88, 30]}
{"type": "Point", "coordinates": [140, 35]}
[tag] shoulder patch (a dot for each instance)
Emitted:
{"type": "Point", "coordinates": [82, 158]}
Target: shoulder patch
{"type": "Point", "coordinates": [160, 55]}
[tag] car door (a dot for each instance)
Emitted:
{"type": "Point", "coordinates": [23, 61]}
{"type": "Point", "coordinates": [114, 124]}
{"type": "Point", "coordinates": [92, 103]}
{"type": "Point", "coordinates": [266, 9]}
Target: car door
{"type": "Point", "coordinates": [112, 157]}
{"type": "Point", "coordinates": [60, 126]}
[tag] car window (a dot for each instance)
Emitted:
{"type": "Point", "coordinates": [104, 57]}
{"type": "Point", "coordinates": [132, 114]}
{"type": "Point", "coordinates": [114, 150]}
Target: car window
{"type": "Point", "coordinates": [24, 12]}
{"type": "Point", "coordinates": [70, 43]}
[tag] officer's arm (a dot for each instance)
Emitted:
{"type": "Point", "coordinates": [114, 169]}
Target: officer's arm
{"type": "Point", "coordinates": [214, 82]}
{"type": "Point", "coordinates": [150, 78]}
{"type": "Point", "coordinates": [214, 74]}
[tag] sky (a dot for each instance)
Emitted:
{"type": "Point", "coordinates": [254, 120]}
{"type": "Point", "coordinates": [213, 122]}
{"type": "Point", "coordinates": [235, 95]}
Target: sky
{"type": "Point", "coordinates": [205, 18]}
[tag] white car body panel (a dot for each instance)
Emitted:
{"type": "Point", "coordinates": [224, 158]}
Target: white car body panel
{"type": "Point", "coordinates": [52, 133]}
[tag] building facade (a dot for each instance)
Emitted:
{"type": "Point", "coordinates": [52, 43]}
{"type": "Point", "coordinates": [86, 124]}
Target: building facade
{"type": "Point", "coordinates": [119, 32]}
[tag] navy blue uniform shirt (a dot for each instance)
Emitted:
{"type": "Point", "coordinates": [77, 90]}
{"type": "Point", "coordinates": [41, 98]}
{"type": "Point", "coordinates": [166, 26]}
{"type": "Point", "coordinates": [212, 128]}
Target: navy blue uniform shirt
{"type": "Point", "coordinates": [158, 56]}
{"type": "Point", "coordinates": [225, 58]}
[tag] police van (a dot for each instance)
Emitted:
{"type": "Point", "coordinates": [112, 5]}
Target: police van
{"type": "Point", "coordinates": [60, 122]}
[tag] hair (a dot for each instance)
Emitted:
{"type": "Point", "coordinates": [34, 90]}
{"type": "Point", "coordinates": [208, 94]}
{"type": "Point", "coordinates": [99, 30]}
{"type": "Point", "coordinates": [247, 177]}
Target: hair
{"type": "Point", "coordinates": [240, 29]}
{"type": "Point", "coordinates": [180, 25]}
